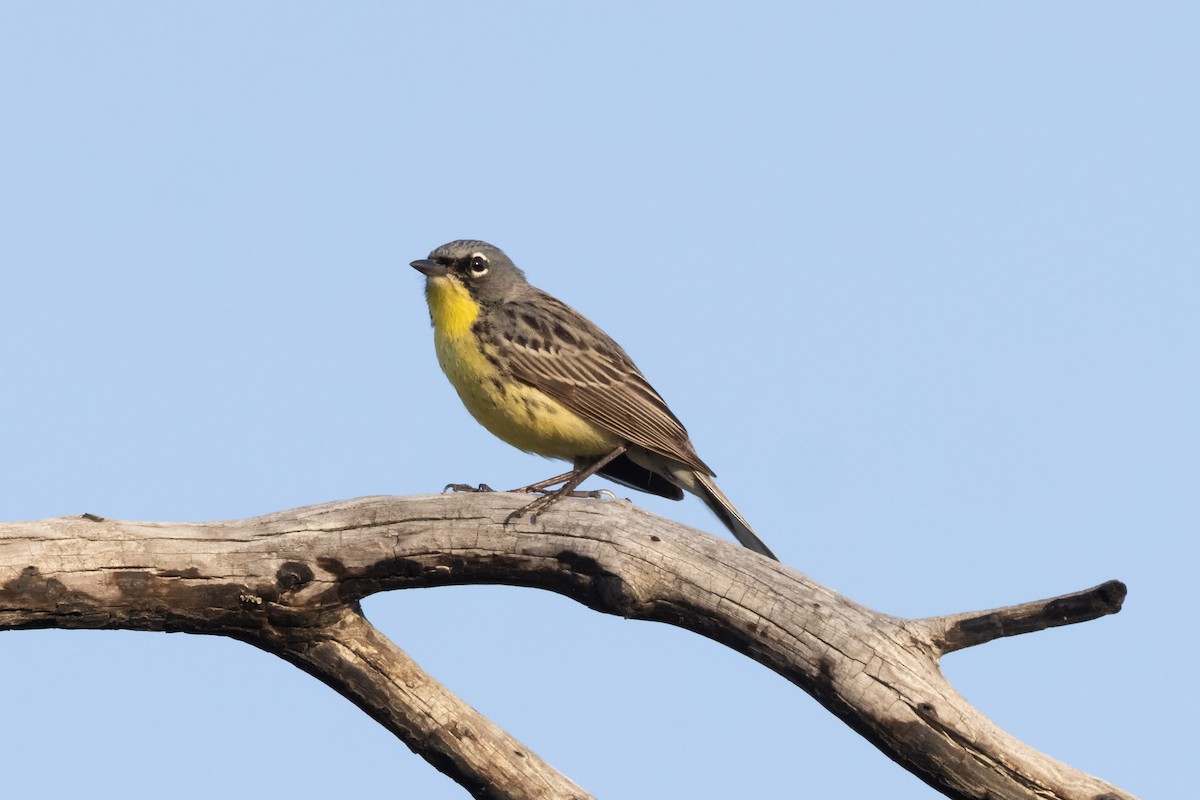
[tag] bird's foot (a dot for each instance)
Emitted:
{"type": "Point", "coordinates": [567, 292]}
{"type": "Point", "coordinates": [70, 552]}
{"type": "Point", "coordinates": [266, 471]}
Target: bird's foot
{"type": "Point", "coordinates": [466, 487]}
{"type": "Point", "coordinates": [549, 498]}
{"type": "Point", "coordinates": [596, 494]}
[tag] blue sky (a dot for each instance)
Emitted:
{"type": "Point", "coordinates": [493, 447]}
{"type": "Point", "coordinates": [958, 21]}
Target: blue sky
{"type": "Point", "coordinates": [921, 279]}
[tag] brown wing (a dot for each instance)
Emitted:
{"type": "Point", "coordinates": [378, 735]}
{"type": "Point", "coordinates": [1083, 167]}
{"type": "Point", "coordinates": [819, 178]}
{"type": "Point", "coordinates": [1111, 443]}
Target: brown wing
{"type": "Point", "coordinates": [556, 349]}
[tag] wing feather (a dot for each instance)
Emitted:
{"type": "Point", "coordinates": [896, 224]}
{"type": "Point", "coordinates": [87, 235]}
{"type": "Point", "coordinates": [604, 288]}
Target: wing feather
{"type": "Point", "coordinates": [557, 350]}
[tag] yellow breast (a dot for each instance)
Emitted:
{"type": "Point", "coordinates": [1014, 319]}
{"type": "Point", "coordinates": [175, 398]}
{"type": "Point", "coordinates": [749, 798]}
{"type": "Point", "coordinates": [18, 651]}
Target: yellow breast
{"type": "Point", "coordinates": [515, 412]}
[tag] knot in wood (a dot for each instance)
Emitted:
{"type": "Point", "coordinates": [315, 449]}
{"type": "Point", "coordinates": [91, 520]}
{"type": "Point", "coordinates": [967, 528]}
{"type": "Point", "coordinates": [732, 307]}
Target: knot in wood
{"type": "Point", "coordinates": [292, 575]}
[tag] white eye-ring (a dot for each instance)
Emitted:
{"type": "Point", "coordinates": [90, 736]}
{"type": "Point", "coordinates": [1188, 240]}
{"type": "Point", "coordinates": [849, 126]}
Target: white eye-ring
{"type": "Point", "coordinates": [478, 266]}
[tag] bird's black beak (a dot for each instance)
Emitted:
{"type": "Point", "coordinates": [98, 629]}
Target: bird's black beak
{"type": "Point", "coordinates": [429, 267]}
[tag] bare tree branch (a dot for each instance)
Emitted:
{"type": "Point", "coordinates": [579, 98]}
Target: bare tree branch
{"type": "Point", "coordinates": [352, 656]}
{"type": "Point", "coordinates": [956, 631]}
{"type": "Point", "coordinates": [290, 583]}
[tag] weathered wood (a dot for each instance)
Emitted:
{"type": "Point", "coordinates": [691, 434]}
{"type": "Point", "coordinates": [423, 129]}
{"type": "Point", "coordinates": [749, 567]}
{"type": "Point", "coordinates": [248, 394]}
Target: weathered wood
{"type": "Point", "coordinates": [362, 664]}
{"type": "Point", "coordinates": [956, 631]}
{"type": "Point", "coordinates": [290, 584]}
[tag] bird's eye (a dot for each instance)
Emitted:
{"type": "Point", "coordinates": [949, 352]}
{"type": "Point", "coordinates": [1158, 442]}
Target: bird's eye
{"type": "Point", "coordinates": [478, 266]}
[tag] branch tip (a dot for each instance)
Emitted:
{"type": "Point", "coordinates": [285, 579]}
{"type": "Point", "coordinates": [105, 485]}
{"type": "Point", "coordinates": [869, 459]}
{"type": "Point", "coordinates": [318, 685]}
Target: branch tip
{"type": "Point", "coordinates": [957, 631]}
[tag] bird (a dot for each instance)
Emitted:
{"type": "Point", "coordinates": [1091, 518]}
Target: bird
{"type": "Point", "coordinates": [543, 378]}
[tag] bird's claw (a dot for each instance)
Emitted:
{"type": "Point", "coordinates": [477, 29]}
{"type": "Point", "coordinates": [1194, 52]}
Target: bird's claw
{"type": "Point", "coordinates": [466, 487]}
{"type": "Point", "coordinates": [548, 498]}
{"type": "Point", "coordinates": [516, 515]}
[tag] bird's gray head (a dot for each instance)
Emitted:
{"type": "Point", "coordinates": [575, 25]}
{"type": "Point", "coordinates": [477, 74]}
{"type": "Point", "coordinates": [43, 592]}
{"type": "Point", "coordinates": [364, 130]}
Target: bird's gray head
{"type": "Point", "coordinates": [482, 269]}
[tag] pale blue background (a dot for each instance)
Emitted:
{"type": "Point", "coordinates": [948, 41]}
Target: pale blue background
{"type": "Point", "coordinates": [922, 279]}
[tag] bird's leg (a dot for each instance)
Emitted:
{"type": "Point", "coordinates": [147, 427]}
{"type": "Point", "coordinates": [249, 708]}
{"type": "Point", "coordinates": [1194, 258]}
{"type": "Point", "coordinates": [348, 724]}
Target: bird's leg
{"type": "Point", "coordinates": [573, 479]}
{"type": "Point", "coordinates": [543, 486]}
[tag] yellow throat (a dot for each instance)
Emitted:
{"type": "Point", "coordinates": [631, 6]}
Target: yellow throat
{"type": "Point", "coordinates": [451, 307]}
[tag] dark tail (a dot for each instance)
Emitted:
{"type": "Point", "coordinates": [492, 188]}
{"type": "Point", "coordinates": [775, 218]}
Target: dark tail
{"type": "Point", "coordinates": [715, 499]}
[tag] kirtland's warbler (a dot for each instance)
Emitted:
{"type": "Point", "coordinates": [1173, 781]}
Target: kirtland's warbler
{"type": "Point", "coordinates": [536, 373]}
